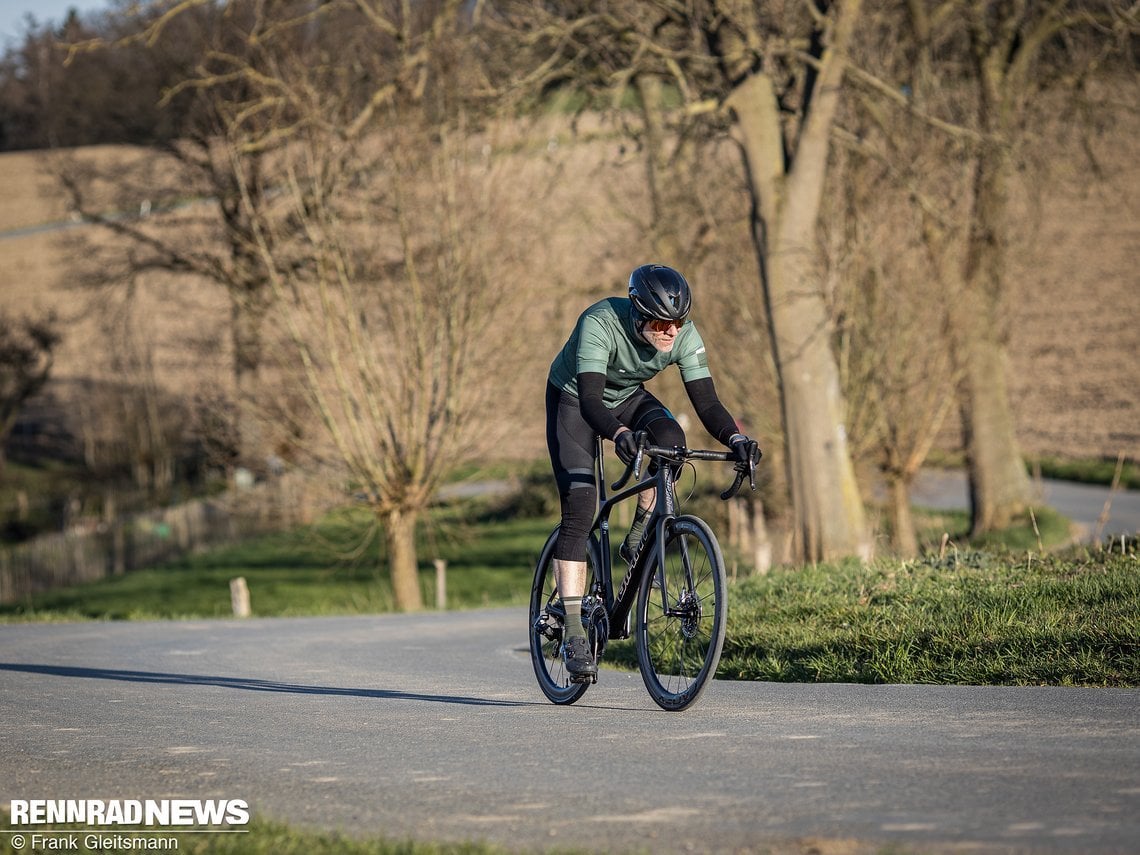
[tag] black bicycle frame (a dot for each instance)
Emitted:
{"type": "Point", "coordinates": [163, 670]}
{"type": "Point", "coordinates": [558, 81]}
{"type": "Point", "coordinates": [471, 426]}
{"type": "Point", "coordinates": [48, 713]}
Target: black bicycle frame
{"type": "Point", "coordinates": [619, 605]}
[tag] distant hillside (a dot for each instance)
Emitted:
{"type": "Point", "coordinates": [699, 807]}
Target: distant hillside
{"type": "Point", "coordinates": [1075, 338]}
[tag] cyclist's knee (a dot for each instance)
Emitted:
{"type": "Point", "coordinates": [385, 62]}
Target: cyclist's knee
{"type": "Point", "coordinates": [666, 432]}
{"type": "Point", "coordinates": [577, 516]}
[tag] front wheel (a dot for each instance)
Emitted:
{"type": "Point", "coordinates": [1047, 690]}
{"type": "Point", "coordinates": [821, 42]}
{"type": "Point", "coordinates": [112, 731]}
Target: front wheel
{"type": "Point", "coordinates": [546, 621]}
{"type": "Point", "coordinates": [682, 610]}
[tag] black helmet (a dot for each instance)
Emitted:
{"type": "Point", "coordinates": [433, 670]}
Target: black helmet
{"type": "Point", "coordinates": [660, 293]}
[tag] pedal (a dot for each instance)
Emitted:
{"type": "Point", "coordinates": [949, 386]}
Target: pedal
{"type": "Point", "coordinates": [584, 678]}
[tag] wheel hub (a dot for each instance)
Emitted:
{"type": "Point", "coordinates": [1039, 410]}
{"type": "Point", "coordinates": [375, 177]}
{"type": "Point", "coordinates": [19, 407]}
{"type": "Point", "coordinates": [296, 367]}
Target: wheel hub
{"type": "Point", "coordinates": [689, 611]}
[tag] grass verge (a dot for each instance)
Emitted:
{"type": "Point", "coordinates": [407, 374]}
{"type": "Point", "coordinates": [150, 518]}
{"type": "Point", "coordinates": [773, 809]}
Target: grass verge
{"type": "Point", "coordinates": [330, 569]}
{"type": "Point", "coordinates": [271, 838]}
{"type": "Point", "coordinates": [974, 617]}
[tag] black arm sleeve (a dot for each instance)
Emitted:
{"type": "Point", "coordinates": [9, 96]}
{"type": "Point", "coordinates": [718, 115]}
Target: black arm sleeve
{"type": "Point", "coordinates": [710, 410]}
{"type": "Point", "coordinates": [594, 411]}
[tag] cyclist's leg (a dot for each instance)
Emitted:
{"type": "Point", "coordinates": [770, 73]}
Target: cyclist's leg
{"type": "Point", "coordinates": [547, 619]}
{"type": "Point", "coordinates": [571, 443]}
{"type": "Point", "coordinates": [645, 412]}
{"type": "Point", "coordinates": [570, 577]}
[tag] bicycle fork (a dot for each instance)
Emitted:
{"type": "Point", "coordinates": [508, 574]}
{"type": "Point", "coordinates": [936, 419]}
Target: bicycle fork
{"type": "Point", "coordinates": [679, 598]}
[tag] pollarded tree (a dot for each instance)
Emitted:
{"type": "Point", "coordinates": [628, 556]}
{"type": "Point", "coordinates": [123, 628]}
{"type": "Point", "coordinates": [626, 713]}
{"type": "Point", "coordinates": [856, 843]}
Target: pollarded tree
{"type": "Point", "coordinates": [376, 219]}
{"type": "Point", "coordinates": [892, 237]}
{"type": "Point", "coordinates": [1001, 60]}
{"type": "Point", "coordinates": [771, 75]}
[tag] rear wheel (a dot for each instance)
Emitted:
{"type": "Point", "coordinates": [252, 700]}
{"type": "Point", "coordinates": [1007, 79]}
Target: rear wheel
{"type": "Point", "coordinates": [546, 622]}
{"type": "Point", "coordinates": [682, 610]}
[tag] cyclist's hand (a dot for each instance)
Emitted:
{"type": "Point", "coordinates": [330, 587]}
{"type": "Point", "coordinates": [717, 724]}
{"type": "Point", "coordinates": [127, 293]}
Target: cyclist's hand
{"type": "Point", "coordinates": [625, 443]}
{"type": "Point", "coordinates": [745, 449]}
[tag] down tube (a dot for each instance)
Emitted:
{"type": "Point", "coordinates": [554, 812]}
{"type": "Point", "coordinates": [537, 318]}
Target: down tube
{"type": "Point", "coordinates": [626, 598]}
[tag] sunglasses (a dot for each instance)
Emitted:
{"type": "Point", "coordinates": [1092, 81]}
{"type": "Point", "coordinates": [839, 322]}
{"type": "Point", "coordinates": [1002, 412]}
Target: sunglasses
{"type": "Point", "coordinates": [663, 326]}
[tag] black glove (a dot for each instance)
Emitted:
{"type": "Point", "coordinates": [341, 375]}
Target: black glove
{"type": "Point", "coordinates": [625, 444]}
{"type": "Point", "coordinates": [744, 448]}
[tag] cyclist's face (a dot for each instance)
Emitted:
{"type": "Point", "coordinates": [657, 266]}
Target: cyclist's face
{"type": "Point", "coordinates": [661, 334]}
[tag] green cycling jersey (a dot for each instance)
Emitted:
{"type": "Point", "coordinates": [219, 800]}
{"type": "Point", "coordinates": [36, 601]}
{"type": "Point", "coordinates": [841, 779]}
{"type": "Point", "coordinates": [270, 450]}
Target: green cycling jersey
{"type": "Point", "coordinates": [605, 341]}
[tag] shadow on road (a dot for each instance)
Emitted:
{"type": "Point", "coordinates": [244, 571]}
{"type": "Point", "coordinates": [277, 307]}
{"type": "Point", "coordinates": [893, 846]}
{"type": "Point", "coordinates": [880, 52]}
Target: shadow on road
{"type": "Point", "coordinates": [250, 685]}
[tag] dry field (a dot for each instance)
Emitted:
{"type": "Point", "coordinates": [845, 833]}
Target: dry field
{"type": "Point", "coordinates": [1075, 336]}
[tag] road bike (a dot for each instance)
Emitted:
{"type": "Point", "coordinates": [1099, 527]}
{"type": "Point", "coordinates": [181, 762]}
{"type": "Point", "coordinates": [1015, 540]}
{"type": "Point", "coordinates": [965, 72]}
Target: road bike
{"type": "Point", "coordinates": [676, 582]}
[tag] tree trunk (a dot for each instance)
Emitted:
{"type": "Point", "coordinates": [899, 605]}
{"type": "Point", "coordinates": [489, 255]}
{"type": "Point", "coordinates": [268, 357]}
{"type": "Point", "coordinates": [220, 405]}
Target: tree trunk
{"type": "Point", "coordinates": [828, 515]}
{"type": "Point", "coordinates": [761, 542]}
{"type": "Point", "coordinates": [248, 315]}
{"type": "Point", "coordinates": [250, 293]}
{"type": "Point", "coordinates": [1000, 488]}
{"type": "Point", "coordinates": [999, 485]}
{"type": "Point", "coordinates": [666, 244]}
{"type": "Point", "coordinates": [903, 538]}
{"type": "Point", "coordinates": [400, 535]}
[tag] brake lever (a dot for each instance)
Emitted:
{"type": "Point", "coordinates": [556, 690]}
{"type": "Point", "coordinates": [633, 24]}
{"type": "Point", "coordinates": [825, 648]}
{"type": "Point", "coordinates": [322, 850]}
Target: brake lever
{"type": "Point", "coordinates": [634, 466]}
{"type": "Point", "coordinates": [637, 458]}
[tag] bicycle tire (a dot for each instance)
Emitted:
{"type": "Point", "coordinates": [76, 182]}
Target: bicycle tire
{"type": "Point", "coordinates": [545, 626]}
{"type": "Point", "coordinates": [679, 643]}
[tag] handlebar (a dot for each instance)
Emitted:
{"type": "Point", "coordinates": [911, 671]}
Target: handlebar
{"type": "Point", "coordinates": [679, 455]}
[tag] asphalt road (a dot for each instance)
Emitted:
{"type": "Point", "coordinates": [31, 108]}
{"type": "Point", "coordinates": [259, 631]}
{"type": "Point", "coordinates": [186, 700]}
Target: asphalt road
{"type": "Point", "coordinates": [432, 726]}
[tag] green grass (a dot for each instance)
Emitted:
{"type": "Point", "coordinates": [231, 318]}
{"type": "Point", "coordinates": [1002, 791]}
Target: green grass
{"type": "Point", "coordinates": [333, 568]}
{"type": "Point", "coordinates": [263, 838]}
{"type": "Point", "coordinates": [1038, 529]}
{"type": "Point", "coordinates": [973, 617]}
{"type": "Point", "coordinates": [1086, 470]}
{"type": "Point", "coordinates": [1094, 471]}
{"type": "Point", "coordinates": [272, 838]}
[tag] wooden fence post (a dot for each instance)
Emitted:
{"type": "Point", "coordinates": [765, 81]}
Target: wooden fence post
{"type": "Point", "coordinates": [239, 597]}
{"type": "Point", "coordinates": [440, 583]}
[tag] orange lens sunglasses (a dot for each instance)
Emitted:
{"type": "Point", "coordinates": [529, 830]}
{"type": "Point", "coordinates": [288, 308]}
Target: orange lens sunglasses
{"type": "Point", "coordinates": [663, 326]}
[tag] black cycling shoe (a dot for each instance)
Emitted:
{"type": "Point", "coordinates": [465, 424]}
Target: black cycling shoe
{"type": "Point", "coordinates": [579, 659]}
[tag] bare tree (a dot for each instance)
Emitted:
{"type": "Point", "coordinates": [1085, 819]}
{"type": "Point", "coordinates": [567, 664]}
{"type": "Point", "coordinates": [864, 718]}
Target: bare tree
{"type": "Point", "coordinates": [389, 309]}
{"type": "Point", "coordinates": [374, 219]}
{"type": "Point", "coordinates": [772, 75]}
{"type": "Point", "coordinates": [1014, 52]}
{"type": "Point", "coordinates": [897, 366]}
{"type": "Point", "coordinates": [897, 201]}
{"type": "Point", "coordinates": [947, 137]}
{"type": "Point", "coordinates": [180, 212]}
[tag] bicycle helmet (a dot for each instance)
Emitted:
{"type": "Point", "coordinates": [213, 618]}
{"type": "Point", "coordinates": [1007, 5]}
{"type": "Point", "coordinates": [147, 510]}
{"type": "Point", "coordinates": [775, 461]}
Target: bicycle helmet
{"type": "Point", "coordinates": [660, 293]}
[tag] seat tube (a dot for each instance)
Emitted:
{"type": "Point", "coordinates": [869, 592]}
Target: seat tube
{"type": "Point", "coordinates": [666, 510]}
{"type": "Point", "coordinates": [603, 578]}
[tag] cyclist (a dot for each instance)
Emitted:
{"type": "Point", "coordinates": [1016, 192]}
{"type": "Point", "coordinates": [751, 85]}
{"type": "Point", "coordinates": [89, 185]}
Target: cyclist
{"type": "Point", "coordinates": [596, 386]}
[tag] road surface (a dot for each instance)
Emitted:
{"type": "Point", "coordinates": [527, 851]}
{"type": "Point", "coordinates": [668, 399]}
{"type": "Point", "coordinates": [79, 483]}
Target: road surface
{"type": "Point", "coordinates": [432, 726]}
